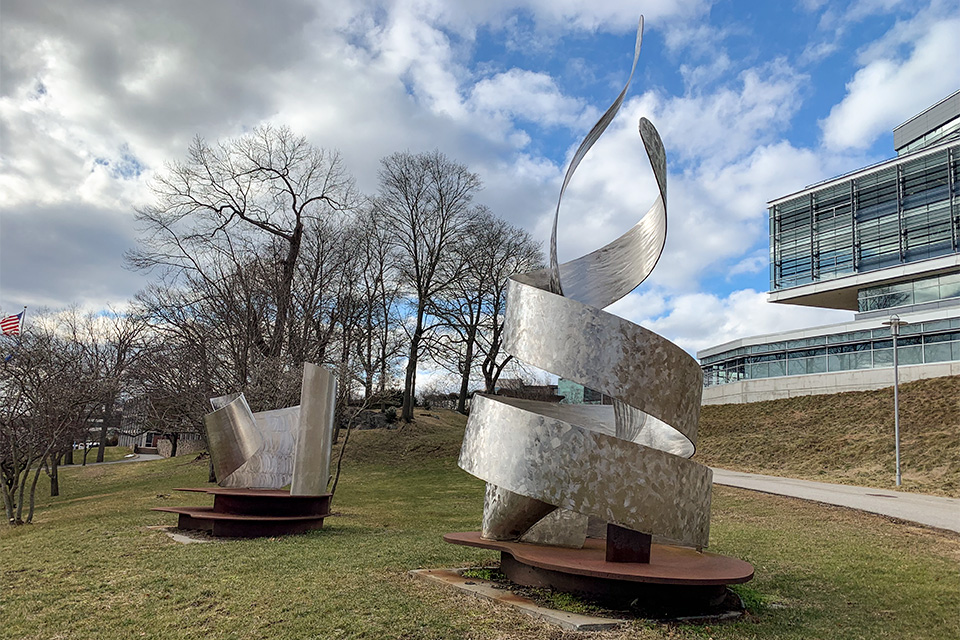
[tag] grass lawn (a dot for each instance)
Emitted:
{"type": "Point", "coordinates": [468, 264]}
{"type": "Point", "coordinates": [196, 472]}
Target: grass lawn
{"type": "Point", "coordinates": [846, 438]}
{"type": "Point", "coordinates": [90, 568]}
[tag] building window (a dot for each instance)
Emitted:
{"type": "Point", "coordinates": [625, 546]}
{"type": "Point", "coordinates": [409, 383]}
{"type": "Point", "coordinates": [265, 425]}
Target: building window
{"type": "Point", "coordinates": [907, 293]}
{"type": "Point", "coordinates": [894, 215]}
{"type": "Point", "coordinates": [936, 341]}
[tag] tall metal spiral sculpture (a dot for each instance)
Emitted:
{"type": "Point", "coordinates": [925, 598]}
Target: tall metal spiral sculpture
{"type": "Point", "coordinates": [538, 457]}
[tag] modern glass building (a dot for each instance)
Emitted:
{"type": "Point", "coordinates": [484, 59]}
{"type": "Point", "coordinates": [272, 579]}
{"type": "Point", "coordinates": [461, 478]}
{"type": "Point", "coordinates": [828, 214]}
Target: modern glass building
{"type": "Point", "coordinates": [838, 348]}
{"type": "Point", "coordinates": [879, 241]}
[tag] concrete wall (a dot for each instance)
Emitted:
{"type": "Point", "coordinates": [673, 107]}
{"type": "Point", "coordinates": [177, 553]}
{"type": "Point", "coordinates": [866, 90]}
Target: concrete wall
{"type": "Point", "coordinates": [822, 383]}
{"type": "Point", "coordinates": [184, 447]}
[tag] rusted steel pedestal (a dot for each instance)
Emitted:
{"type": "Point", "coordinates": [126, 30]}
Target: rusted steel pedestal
{"type": "Point", "coordinates": [252, 513]}
{"type": "Point", "coordinates": [676, 579]}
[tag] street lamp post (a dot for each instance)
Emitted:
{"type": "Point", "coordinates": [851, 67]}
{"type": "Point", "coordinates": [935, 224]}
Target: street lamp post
{"type": "Point", "coordinates": [895, 323]}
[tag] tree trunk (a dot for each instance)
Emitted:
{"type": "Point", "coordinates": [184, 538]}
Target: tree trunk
{"type": "Point", "coordinates": [33, 493]}
{"type": "Point", "coordinates": [492, 371]}
{"type": "Point", "coordinates": [174, 439]}
{"type": "Point", "coordinates": [68, 456]}
{"type": "Point", "coordinates": [410, 380]}
{"type": "Point", "coordinates": [465, 374]}
{"type": "Point", "coordinates": [286, 290]}
{"type": "Point", "coordinates": [211, 473]}
{"type": "Point", "coordinates": [25, 471]}
{"type": "Point", "coordinates": [55, 475]}
{"type": "Point", "coordinates": [8, 499]}
{"type": "Point", "coordinates": [107, 414]}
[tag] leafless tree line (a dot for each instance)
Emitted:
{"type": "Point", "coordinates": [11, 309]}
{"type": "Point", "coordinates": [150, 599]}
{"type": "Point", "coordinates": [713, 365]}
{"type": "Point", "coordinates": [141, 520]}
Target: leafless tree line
{"type": "Point", "coordinates": [264, 255]}
{"type": "Point", "coordinates": [62, 377]}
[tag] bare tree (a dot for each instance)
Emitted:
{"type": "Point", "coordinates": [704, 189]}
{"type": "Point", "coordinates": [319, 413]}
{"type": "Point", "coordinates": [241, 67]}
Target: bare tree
{"type": "Point", "coordinates": [49, 396]}
{"type": "Point", "coordinates": [112, 343]}
{"type": "Point", "coordinates": [513, 250]}
{"type": "Point", "coordinates": [378, 344]}
{"type": "Point", "coordinates": [239, 194]}
{"type": "Point", "coordinates": [472, 308]}
{"type": "Point", "coordinates": [424, 201]}
{"type": "Point", "coordinates": [178, 370]}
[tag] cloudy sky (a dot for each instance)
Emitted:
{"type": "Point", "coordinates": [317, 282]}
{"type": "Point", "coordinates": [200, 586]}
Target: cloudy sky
{"type": "Point", "coordinates": [754, 100]}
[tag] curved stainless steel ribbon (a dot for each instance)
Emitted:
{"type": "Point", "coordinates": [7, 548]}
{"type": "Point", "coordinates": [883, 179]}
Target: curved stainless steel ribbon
{"type": "Point", "coordinates": [271, 449]}
{"type": "Point", "coordinates": [627, 465]}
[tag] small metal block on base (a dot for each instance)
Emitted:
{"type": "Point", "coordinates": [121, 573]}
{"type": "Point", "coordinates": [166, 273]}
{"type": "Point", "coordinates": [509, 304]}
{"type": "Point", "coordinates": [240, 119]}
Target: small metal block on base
{"type": "Point", "coordinates": [627, 545]}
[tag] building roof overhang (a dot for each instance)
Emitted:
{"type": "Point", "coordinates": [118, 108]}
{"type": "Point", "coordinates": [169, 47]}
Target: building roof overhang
{"type": "Point", "coordinates": [859, 173]}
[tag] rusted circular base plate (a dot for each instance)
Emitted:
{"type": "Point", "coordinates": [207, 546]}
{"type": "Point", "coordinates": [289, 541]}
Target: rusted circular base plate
{"type": "Point", "coordinates": [677, 582]}
{"type": "Point", "coordinates": [668, 564]}
{"type": "Point", "coordinates": [252, 513]}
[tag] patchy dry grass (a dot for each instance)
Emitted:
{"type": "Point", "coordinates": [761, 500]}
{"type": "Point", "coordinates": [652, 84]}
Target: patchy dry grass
{"type": "Point", "coordinates": [435, 434]}
{"type": "Point", "coordinates": [845, 438]}
{"type": "Point", "coordinates": [89, 567]}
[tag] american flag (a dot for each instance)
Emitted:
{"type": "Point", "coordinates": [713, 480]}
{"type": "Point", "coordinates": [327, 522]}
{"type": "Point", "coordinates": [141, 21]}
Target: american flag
{"type": "Point", "coordinates": [11, 325]}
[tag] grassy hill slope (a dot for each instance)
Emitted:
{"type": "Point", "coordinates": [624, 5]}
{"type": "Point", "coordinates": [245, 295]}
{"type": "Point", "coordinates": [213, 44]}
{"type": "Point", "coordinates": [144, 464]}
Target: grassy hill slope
{"type": "Point", "coordinates": [845, 437]}
{"type": "Point", "coordinates": [91, 568]}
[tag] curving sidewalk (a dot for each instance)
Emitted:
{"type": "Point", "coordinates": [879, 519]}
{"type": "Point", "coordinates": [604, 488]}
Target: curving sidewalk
{"type": "Point", "coordinates": [139, 457]}
{"type": "Point", "coordinates": [932, 511]}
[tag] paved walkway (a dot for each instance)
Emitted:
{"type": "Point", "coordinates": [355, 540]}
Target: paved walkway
{"type": "Point", "coordinates": [140, 457]}
{"type": "Point", "coordinates": [933, 511]}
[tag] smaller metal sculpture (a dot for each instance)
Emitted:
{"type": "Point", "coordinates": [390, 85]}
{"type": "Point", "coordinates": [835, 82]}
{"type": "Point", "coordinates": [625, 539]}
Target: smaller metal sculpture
{"type": "Point", "coordinates": [271, 449]}
{"type": "Point", "coordinates": [254, 455]}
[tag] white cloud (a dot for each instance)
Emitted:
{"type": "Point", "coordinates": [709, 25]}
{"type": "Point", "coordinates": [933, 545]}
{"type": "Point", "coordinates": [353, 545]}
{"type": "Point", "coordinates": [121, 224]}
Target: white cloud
{"type": "Point", "coordinates": [526, 95]}
{"type": "Point", "coordinates": [577, 15]}
{"type": "Point", "coordinates": [816, 52]}
{"type": "Point", "coordinates": [892, 86]}
{"type": "Point", "coordinates": [860, 9]}
{"type": "Point", "coordinates": [697, 40]}
{"type": "Point", "coordinates": [700, 320]}
{"type": "Point", "coordinates": [697, 76]}
{"type": "Point", "coordinates": [410, 46]}
{"type": "Point", "coordinates": [756, 262]}
{"type": "Point", "coordinates": [646, 302]}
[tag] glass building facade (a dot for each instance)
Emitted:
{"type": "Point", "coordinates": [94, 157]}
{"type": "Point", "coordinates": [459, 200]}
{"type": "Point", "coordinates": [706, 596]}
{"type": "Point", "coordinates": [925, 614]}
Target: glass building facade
{"type": "Point", "coordinates": [919, 291]}
{"type": "Point", "coordinates": [919, 343]}
{"type": "Point", "coordinates": [905, 210]}
{"type": "Point", "coordinates": [860, 242]}
{"type": "Point", "coordinates": [943, 133]}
